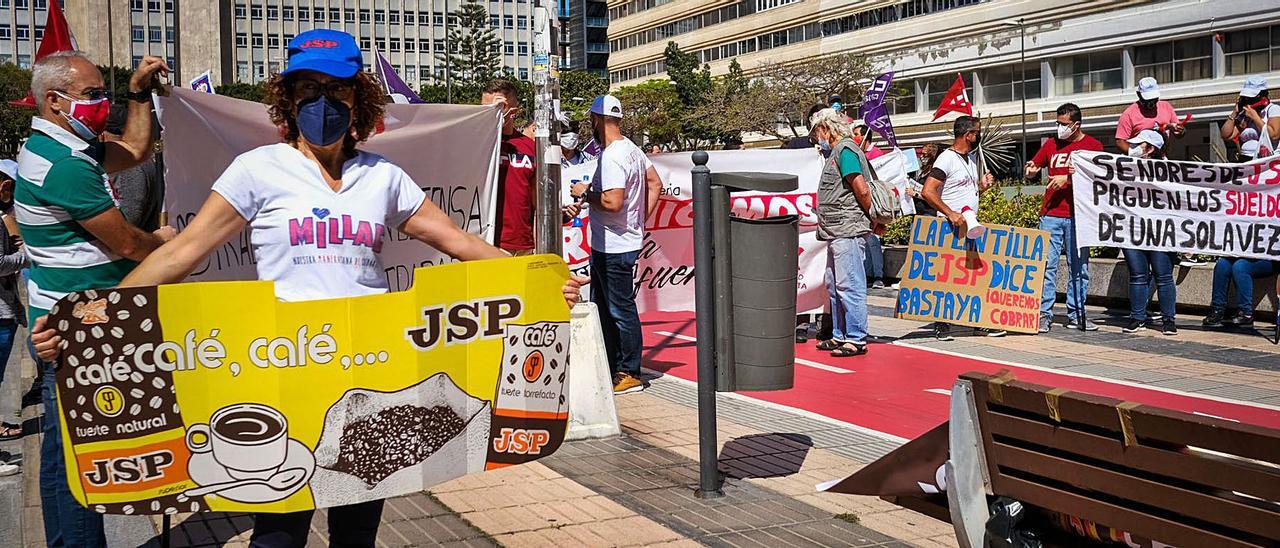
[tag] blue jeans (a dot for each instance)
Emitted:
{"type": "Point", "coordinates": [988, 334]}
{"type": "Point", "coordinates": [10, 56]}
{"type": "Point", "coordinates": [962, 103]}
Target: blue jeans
{"type": "Point", "coordinates": [847, 283]}
{"type": "Point", "coordinates": [7, 329]}
{"type": "Point", "coordinates": [613, 289]}
{"type": "Point", "coordinates": [66, 522]}
{"type": "Point", "coordinates": [1145, 266]}
{"type": "Point", "coordinates": [1062, 238]}
{"type": "Point", "coordinates": [1242, 272]}
{"type": "Point", "coordinates": [874, 261]}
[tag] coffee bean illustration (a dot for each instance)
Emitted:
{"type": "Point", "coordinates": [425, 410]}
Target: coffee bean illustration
{"type": "Point", "coordinates": [511, 378]}
{"type": "Point", "coordinates": [91, 294]}
{"type": "Point", "coordinates": [171, 510]}
{"type": "Point", "coordinates": [63, 325]}
{"type": "Point", "coordinates": [561, 399]}
{"type": "Point", "coordinates": [107, 349]}
{"type": "Point", "coordinates": [175, 409]}
{"type": "Point", "coordinates": [158, 382]}
{"type": "Point", "coordinates": [136, 377]}
{"type": "Point", "coordinates": [513, 341]}
{"type": "Point", "coordinates": [129, 348]}
{"type": "Point", "coordinates": [553, 363]}
{"type": "Point", "coordinates": [79, 336]}
{"type": "Point", "coordinates": [122, 315]}
{"type": "Point", "coordinates": [71, 382]}
{"type": "Point", "coordinates": [72, 412]}
{"type": "Point", "coordinates": [561, 377]}
{"type": "Point", "coordinates": [80, 400]}
{"type": "Point", "coordinates": [73, 297]}
{"type": "Point", "coordinates": [113, 297]}
{"type": "Point", "coordinates": [128, 509]}
{"type": "Point", "coordinates": [559, 348]}
{"type": "Point", "coordinates": [135, 409]}
{"type": "Point", "coordinates": [155, 506]}
{"type": "Point", "coordinates": [137, 393]}
{"type": "Point", "coordinates": [117, 332]}
{"type": "Point", "coordinates": [73, 361]}
{"type": "Point", "coordinates": [140, 300]}
{"type": "Point", "coordinates": [100, 509]}
{"type": "Point", "coordinates": [97, 332]}
{"type": "Point", "coordinates": [546, 381]}
{"type": "Point", "coordinates": [145, 325]}
{"type": "Point", "coordinates": [156, 401]}
{"type": "Point", "coordinates": [182, 497]}
{"type": "Point", "coordinates": [89, 353]}
{"type": "Point", "coordinates": [195, 506]}
{"type": "Point", "coordinates": [87, 417]}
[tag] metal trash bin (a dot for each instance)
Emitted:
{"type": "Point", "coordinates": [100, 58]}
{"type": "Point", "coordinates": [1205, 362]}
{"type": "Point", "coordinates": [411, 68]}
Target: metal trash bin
{"type": "Point", "coordinates": [764, 256]}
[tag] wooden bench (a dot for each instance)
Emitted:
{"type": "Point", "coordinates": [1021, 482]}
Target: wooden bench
{"type": "Point", "coordinates": [1177, 478]}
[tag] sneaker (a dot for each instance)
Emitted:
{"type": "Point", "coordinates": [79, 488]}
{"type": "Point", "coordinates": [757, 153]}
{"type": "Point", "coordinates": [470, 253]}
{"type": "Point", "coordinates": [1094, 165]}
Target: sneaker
{"type": "Point", "coordinates": [1240, 320]}
{"type": "Point", "coordinates": [1046, 323]}
{"type": "Point", "coordinates": [9, 469]}
{"type": "Point", "coordinates": [942, 332]}
{"type": "Point", "coordinates": [1088, 324]}
{"type": "Point", "coordinates": [1155, 316]}
{"type": "Point", "coordinates": [896, 285]}
{"type": "Point", "coordinates": [1191, 260]}
{"type": "Point", "coordinates": [878, 284]}
{"type": "Point", "coordinates": [1214, 319]}
{"type": "Point", "coordinates": [626, 384]}
{"type": "Point", "coordinates": [1168, 327]}
{"type": "Point", "coordinates": [990, 332]}
{"type": "Point", "coordinates": [1135, 326]}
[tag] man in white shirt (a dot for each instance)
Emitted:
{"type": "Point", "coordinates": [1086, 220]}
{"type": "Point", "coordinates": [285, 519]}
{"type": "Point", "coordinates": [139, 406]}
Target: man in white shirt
{"type": "Point", "coordinates": [952, 187]}
{"type": "Point", "coordinates": [622, 194]}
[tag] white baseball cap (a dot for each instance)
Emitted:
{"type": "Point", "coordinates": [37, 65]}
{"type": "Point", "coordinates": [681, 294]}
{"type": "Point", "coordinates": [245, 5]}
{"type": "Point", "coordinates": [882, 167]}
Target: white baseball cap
{"type": "Point", "coordinates": [607, 105]}
{"type": "Point", "coordinates": [1149, 136]}
{"type": "Point", "coordinates": [1148, 88]}
{"type": "Point", "coordinates": [1253, 85]}
{"type": "Point", "coordinates": [10, 168]}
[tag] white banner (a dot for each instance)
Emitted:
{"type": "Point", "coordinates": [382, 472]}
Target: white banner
{"type": "Point", "coordinates": [451, 151]}
{"type": "Point", "coordinates": [664, 273]}
{"type": "Point", "coordinates": [1232, 210]}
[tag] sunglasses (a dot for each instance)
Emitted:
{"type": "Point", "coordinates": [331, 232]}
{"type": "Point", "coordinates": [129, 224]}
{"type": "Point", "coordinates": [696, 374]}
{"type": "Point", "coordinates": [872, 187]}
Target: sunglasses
{"type": "Point", "coordinates": [338, 90]}
{"type": "Point", "coordinates": [92, 94]}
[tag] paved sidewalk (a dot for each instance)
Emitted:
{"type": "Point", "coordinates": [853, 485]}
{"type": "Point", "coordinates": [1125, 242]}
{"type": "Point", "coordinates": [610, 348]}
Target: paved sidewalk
{"type": "Point", "coordinates": [636, 490]}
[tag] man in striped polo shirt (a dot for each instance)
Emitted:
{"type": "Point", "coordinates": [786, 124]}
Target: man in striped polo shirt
{"type": "Point", "coordinates": [75, 235]}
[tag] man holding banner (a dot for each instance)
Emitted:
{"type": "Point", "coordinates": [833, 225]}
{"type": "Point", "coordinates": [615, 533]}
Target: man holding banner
{"type": "Point", "coordinates": [1057, 217]}
{"type": "Point", "coordinates": [952, 187]}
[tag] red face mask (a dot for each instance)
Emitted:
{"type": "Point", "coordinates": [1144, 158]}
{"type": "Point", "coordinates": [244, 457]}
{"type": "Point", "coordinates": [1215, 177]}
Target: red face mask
{"type": "Point", "coordinates": [87, 118]}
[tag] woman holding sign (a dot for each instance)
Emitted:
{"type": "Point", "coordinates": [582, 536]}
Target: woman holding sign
{"type": "Point", "coordinates": [324, 106]}
{"type": "Point", "coordinates": [1146, 265]}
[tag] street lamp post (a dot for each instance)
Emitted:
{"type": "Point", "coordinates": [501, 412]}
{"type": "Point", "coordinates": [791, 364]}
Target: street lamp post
{"type": "Point", "coordinates": [1022, 91]}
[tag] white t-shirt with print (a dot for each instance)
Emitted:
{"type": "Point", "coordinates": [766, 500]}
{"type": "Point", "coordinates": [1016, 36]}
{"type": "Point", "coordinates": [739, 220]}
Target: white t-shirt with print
{"type": "Point", "coordinates": [313, 242]}
{"type": "Point", "coordinates": [960, 188]}
{"type": "Point", "coordinates": [621, 165]}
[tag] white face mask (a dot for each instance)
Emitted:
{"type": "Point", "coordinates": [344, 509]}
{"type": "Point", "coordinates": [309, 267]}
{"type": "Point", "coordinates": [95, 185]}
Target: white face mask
{"type": "Point", "coordinates": [569, 141]}
{"type": "Point", "coordinates": [1136, 151]}
{"type": "Point", "coordinates": [1065, 132]}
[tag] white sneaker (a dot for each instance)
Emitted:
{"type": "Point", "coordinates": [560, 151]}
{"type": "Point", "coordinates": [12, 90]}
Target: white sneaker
{"type": "Point", "coordinates": [9, 469]}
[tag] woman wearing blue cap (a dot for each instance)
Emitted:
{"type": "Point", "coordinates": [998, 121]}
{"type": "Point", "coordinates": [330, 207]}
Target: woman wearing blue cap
{"type": "Point", "coordinates": [324, 105]}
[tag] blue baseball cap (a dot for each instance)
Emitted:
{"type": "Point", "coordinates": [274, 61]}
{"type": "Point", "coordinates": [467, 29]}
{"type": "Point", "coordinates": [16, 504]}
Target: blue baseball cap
{"type": "Point", "coordinates": [332, 52]}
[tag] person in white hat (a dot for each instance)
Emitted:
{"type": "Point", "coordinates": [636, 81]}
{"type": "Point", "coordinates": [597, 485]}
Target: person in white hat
{"type": "Point", "coordinates": [1255, 120]}
{"type": "Point", "coordinates": [1148, 143]}
{"type": "Point", "coordinates": [1146, 266]}
{"type": "Point", "coordinates": [623, 193]}
{"type": "Point", "coordinates": [1148, 112]}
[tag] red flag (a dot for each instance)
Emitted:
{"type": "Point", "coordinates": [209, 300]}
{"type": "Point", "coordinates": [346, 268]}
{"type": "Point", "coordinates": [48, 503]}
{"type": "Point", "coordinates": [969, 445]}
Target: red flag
{"type": "Point", "coordinates": [57, 37]}
{"type": "Point", "coordinates": [957, 100]}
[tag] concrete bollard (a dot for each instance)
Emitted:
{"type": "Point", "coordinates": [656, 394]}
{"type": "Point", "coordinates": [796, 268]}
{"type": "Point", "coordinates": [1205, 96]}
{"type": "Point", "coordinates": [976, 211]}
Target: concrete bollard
{"type": "Point", "coordinates": [592, 413]}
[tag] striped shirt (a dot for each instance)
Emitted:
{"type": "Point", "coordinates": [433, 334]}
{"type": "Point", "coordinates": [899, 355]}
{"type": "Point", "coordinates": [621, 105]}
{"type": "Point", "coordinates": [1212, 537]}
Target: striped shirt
{"type": "Point", "coordinates": [61, 182]}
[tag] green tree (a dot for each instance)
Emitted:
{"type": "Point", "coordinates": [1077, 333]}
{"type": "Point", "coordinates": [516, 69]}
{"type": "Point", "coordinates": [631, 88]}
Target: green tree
{"type": "Point", "coordinates": [654, 114]}
{"type": "Point", "coordinates": [577, 89]}
{"type": "Point", "coordinates": [122, 76]}
{"type": "Point", "coordinates": [474, 50]}
{"type": "Point", "coordinates": [692, 81]}
{"type": "Point", "coordinates": [15, 122]}
{"type": "Point", "coordinates": [242, 90]}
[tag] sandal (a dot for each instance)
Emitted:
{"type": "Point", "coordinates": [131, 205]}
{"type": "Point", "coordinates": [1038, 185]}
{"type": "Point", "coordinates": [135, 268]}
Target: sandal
{"type": "Point", "coordinates": [827, 346]}
{"type": "Point", "coordinates": [10, 432]}
{"type": "Point", "coordinates": [849, 351]}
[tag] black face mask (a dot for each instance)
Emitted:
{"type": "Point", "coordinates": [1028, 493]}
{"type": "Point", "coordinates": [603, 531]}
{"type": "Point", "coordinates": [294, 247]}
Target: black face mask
{"type": "Point", "coordinates": [977, 139]}
{"type": "Point", "coordinates": [1147, 105]}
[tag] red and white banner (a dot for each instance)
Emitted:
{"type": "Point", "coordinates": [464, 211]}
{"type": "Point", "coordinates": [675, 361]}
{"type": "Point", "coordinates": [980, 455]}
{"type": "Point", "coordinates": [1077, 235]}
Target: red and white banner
{"type": "Point", "coordinates": [664, 273]}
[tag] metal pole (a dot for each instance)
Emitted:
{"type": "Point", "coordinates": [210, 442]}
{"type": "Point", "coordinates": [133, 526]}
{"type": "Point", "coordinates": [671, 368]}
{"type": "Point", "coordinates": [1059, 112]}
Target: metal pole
{"type": "Point", "coordinates": [448, 57]}
{"type": "Point", "coordinates": [704, 290]}
{"type": "Point", "coordinates": [547, 231]}
{"type": "Point", "coordinates": [164, 531]}
{"type": "Point", "coordinates": [111, 50]}
{"type": "Point", "coordinates": [1022, 32]}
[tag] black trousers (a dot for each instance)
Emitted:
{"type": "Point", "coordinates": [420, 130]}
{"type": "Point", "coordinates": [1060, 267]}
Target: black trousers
{"type": "Point", "coordinates": [352, 526]}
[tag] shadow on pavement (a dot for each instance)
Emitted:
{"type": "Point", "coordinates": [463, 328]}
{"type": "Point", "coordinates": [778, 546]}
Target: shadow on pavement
{"type": "Point", "coordinates": [764, 455]}
{"type": "Point", "coordinates": [205, 529]}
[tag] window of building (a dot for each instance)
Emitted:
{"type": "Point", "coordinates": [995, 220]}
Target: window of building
{"type": "Point", "coordinates": [304, 13]}
{"type": "Point", "coordinates": [287, 38]}
{"type": "Point", "coordinates": [137, 5]}
{"type": "Point", "coordinates": [318, 15]}
{"type": "Point", "coordinates": [172, 64]}
{"type": "Point", "coordinates": [5, 31]}
{"type": "Point", "coordinates": [524, 72]}
{"type": "Point", "coordinates": [410, 45]}
{"type": "Point", "coordinates": [1001, 84]}
{"type": "Point", "coordinates": [350, 14]}
{"type": "Point", "coordinates": [168, 35]}
{"type": "Point", "coordinates": [762, 5]}
{"type": "Point", "coordinates": [380, 16]}
{"type": "Point", "coordinates": [137, 31]}
{"type": "Point", "coordinates": [286, 13]}
{"type": "Point", "coordinates": [335, 15]}
{"type": "Point", "coordinates": [273, 41]}
{"type": "Point", "coordinates": [40, 4]}
{"type": "Point", "coordinates": [24, 61]}
{"type": "Point", "coordinates": [1089, 72]}
{"type": "Point", "coordinates": [153, 34]}
{"type": "Point", "coordinates": [364, 42]}
{"type": "Point", "coordinates": [938, 86]}
{"type": "Point", "coordinates": [508, 22]}
{"type": "Point", "coordinates": [153, 5]}
{"type": "Point", "coordinates": [438, 19]}
{"type": "Point", "coordinates": [410, 74]}
{"type": "Point", "coordinates": [522, 22]}
{"type": "Point", "coordinates": [273, 12]}
{"type": "Point", "coordinates": [23, 33]}
{"type": "Point", "coordinates": [902, 98]}
{"type": "Point", "coordinates": [424, 18]}
{"type": "Point", "coordinates": [394, 45]}
{"type": "Point", "coordinates": [424, 44]}
{"type": "Point", "coordinates": [523, 48]}
{"type": "Point", "coordinates": [1253, 50]}
{"type": "Point", "coordinates": [365, 16]}
{"type": "Point", "coordinates": [439, 73]}
{"type": "Point", "coordinates": [394, 18]}
{"type": "Point", "coordinates": [242, 39]}
{"type": "Point", "coordinates": [509, 48]}
{"type": "Point", "coordinates": [242, 71]}
{"type": "Point", "coordinates": [255, 12]}
{"type": "Point", "coordinates": [39, 32]}
{"type": "Point", "coordinates": [257, 40]}
{"type": "Point", "coordinates": [1177, 61]}
{"type": "Point", "coordinates": [494, 21]}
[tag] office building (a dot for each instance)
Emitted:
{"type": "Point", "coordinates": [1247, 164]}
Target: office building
{"type": "Point", "coordinates": [587, 29]}
{"type": "Point", "coordinates": [1089, 53]}
{"type": "Point", "coordinates": [247, 40]}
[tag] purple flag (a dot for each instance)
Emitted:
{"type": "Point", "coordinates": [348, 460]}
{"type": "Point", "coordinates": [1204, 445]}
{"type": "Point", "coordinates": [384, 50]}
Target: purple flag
{"type": "Point", "coordinates": [392, 84]}
{"type": "Point", "coordinates": [873, 111]}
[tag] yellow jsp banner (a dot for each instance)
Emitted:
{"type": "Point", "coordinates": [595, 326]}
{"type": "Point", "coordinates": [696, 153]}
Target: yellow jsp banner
{"type": "Point", "coordinates": [992, 280]}
{"type": "Point", "coordinates": [216, 396]}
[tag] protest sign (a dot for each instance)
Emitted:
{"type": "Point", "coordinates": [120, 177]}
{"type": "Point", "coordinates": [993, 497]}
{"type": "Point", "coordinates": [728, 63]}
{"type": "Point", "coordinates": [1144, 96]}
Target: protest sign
{"type": "Point", "coordinates": [664, 270]}
{"type": "Point", "coordinates": [1232, 210]}
{"type": "Point", "coordinates": [216, 396]}
{"type": "Point", "coordinates": [450, 151]}
{"type": "Point", "coordinates": [992, 281]}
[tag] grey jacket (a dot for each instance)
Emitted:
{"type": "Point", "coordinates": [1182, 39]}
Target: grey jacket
{"type": "Point", "coordinates": [839, 214]}
{"type": "Point", "coordinates": [12, 260]}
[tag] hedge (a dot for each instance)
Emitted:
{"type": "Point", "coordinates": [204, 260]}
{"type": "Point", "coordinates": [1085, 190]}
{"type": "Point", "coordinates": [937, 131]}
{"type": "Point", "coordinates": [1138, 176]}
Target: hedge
{"type": "Point", "coordinates": [993, 207]}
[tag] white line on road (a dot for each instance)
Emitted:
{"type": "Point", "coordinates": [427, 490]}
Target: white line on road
{"type": "Point", "coordinates": [942, 391]}
{"type": "Point", "coordinates": [799, 361]}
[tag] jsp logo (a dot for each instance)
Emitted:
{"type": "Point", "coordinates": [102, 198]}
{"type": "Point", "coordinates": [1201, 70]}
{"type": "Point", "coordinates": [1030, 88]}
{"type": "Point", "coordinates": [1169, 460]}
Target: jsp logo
{"type": "Point", "coordinates": [521, 441]}
{"type": "Point", "coordinates": [132, 469]}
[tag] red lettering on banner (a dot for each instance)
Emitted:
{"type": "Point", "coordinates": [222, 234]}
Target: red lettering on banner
{"type": "Point", "coordinates": [678, 214]}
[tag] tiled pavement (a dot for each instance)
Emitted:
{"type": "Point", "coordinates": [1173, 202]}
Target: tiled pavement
{"type": "Point", "coordinates": [637, 489]}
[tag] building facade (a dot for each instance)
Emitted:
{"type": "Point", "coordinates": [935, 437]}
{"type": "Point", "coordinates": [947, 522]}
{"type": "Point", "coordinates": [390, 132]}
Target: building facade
{"type": "Point", "coordinates": [587, 31]}
{"type": "Point", "coordinates": [247, 40]}
{"type": "Point", "coordinates": [1089, 53]}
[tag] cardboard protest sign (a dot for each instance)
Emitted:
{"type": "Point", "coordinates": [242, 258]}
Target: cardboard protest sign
{"type": "Point", "coordinates": [1231, 210]}
{"type": "Point", "coordinates": [216, 396]}
{"type": "Point", "coordinates": [992, 281]}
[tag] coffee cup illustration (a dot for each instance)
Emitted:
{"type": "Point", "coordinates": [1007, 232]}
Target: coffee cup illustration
{"type": "Point", "coordinates": [249, 440]}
